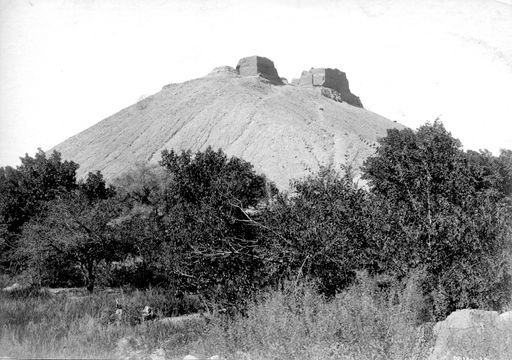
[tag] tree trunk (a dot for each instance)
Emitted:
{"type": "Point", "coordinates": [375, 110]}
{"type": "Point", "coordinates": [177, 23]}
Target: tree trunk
{"type": "Point", "coordinates": [91, 277]}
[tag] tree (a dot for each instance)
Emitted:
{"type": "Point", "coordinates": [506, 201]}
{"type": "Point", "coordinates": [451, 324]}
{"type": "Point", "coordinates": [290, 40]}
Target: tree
{"type": "Point", "coordinates": [95, 188]}
{"type": "Point", "coordinates": [505, 168]}
{"type": "Point", "coordinates": [204, 228]}
{"type": "Point", "coordinates": [322, 232]}
{"type": "Point", "coordinates": [73, 233]}
{"type": "Point", "coordinates": [145, 193]}
{"type": "Point", "coordinates": [210, 176]}
{"type": "Point", "coordinates": [443, 211]}
{"type": "Point", "coordinates": [24, 190]}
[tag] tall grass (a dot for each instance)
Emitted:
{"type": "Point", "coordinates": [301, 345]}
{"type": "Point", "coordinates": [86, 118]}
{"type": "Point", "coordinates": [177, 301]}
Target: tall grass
{"type": "Point", "coordinates": [297, 323]}
{"type": "Point", "coordinates": [363, 322]}
{"type": "Point", "coordinates": [36, 324]}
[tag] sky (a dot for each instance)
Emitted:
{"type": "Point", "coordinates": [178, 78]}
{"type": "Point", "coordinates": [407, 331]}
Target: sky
{"type": "Point", "coordinates": [67, 64]}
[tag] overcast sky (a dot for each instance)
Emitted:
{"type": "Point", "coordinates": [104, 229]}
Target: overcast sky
{"type": "Point", "coordinates": [65, 65]}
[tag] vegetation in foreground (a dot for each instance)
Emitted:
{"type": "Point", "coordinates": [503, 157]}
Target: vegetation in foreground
{"type": "Point", "coordinates": [207, 227]}
{"type": "Point", "coordinates": [362, 322]}
{"type": "Point", "coordinates": [294, 322]}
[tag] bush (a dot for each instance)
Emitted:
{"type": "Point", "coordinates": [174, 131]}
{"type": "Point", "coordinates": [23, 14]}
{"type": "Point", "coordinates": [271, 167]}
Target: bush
{"type": "Point", "coordinates": [362, 322]}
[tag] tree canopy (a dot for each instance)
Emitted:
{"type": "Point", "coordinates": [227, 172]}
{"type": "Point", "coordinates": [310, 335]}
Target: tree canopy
{"type": "Point", "coordinates": [25, 189]}
{"type": "Point", "coordinates": [208, 224]}
{"type": "Point", "coordinates": [446, 210]}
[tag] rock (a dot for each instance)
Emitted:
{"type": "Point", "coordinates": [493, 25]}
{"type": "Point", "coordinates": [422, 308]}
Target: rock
{"type": "Point", "coordinates": [284, 81]}
{"type": "Point", "coordinates": [148, 313]}
{"type": "Point", "coordinates": [14, 287]}
{"type": "Point", "coordinates": [184, 320]}
{"type": "Point", "coordinates": [214, 357]}
{"type": "Point", "coordinates": [118, 315]}
{"type": "Point", "coordinates": [472, 334]}
{"type": "Point", "coordinates": [333, 82]}
{"type": "Point", "coordinates": [158, 354]}
{"type": "Point", "coordinates": [505, 317]}
{"type": "Point", "coordinates": [258, 66]}
{"type": "Point", "coordinates": [190, 357]}
{"type": "Point", "coordinates": [223, 70]}
{"type": "Point", "coordinates": [69, 292]}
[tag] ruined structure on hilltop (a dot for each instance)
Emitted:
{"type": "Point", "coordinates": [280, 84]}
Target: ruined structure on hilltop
{"type": "Point", "coordinates": [259, 66]}
{"type": "Point", "coordinates": [332, 83]}
{"type": "Point", "coordinates": [329, 80]}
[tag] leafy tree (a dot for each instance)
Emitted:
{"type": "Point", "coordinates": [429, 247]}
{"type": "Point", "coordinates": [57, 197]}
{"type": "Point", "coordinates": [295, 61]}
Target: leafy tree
{"type": "Point", "coordinates": [24, 190]}
{"type": "Point", "coordinates": [95, 188]}
{"type": "Point", "coordinates": [43, 178]}
{"type": "Point", "coordinates": [206, 243]}
{"type": "Point", "coordinates": [73, 233]}
{"type": "Point", "coordinates": [505, 169]}
{"type": "Point", "coordinates": [321, 232]}
{"type": "Point", "coordinates": [145, 193]}
{"type": "Point", "coordinates": [443, 211]}
{"type": "Point", "coordinates": [187, 223]}
{"type": "Point", "coordinates": [145, 185]}
{"type": "Point", "coordinates": [210, 176]}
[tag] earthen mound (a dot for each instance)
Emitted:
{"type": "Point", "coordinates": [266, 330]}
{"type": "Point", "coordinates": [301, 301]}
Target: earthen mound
{"type": "Point", "coordinates": [286, 132]}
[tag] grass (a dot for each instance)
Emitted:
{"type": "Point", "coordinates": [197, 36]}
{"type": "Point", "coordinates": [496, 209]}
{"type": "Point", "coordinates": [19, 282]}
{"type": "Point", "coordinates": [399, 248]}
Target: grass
{"type": "Point", "coordinates": [292, 323]}
{"type": "Point", "coordinates": [296, 322]}
{"type": "Point", "coordinates": [35, 324]}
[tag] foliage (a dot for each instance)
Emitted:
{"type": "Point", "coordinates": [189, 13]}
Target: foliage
{"type": "Point", "coordinates": [36, 180]}
{"type": "Point", "coordinates": [23, 192]}
{"type": "Point", "coordinates": [95, 188]}
{"type": "Point", "coordinates": [38, 324]}
{"type": "Point", "coordinates": [505, 169]}
{"type": "Point", "coordinates": [295, 322]}
{"type": "Point", "coordinates": [446, 210]}
{"type": "Point", "coordinates": [321, 232]}
{"type": "Point", "coordinates": [207, 223]}
{"type": "Point", "coordinates": [211, 177]}
{"type": "Point", "coordinates": [73, 233]}
{"type": "Point", "coordinates": [188, 223]}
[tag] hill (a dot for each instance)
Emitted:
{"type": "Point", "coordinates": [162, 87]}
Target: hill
{"type": "Point", "coordinates": [285, 130]}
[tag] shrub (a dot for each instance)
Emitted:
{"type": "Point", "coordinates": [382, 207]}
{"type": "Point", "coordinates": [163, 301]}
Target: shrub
{"type": "Point", "coordinates": [362, 322]}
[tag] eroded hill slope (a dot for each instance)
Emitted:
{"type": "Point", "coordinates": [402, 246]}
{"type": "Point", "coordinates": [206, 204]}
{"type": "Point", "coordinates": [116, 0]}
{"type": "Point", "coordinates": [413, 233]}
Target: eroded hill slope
{"type": "Point", "coordinates": [285, 131]}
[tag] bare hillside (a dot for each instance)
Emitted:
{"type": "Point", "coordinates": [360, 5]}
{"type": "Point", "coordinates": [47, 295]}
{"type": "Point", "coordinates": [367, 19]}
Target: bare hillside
{"type": "Point", "coordinates": [285, 130]}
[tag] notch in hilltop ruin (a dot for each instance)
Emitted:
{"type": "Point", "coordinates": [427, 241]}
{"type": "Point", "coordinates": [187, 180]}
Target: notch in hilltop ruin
{"type": "Point", "coordinates": [332, 83]}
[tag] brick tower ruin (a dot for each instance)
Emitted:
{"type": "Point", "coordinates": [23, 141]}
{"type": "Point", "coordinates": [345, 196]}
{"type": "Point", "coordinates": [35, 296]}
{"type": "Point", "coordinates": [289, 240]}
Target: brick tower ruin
{"type": "Point", "coordinates": [259, 66]}
{"type": "Point", "coordinates": [330, 79]}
